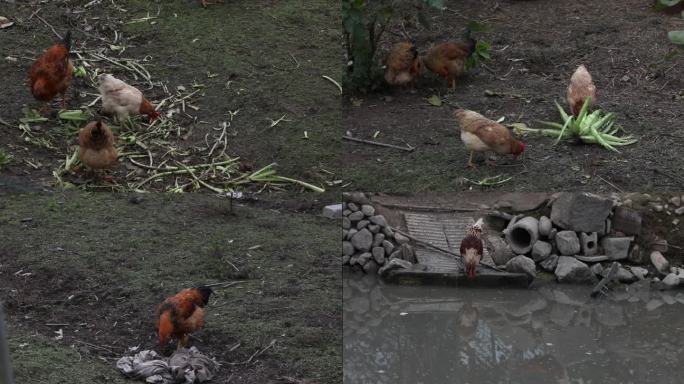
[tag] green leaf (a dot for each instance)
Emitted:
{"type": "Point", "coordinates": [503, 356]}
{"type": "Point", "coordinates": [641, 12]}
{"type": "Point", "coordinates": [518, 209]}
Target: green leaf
{"type": "Point", "coordinates": [676, 37]}
{"type": "Point", "coordinates": [435, 100]}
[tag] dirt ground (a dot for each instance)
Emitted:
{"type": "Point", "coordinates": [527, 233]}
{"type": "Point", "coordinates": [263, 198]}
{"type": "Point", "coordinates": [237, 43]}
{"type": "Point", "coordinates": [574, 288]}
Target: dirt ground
{"type": "Point", "coordinates": [96, 265]}
{"type": "Point", "coordinates": [264, 60]}
{"type": "Point", "coordinates": [535, 49]}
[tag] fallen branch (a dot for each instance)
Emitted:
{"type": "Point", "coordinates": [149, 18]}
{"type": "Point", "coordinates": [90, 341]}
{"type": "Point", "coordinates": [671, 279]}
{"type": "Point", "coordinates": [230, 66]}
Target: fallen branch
{"type": "Point", "coordinates": [257, 353]}
{"type": "Point", "coordinates": [409, 149]}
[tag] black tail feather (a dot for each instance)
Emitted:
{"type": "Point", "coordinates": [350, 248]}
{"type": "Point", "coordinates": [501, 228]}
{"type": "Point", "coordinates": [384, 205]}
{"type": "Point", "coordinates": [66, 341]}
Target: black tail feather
{"type": "Point", "coordinates": [66, 41]}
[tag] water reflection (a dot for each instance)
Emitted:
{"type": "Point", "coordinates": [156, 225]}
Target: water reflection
{"type": "Point", "coordinates": [553, 334]}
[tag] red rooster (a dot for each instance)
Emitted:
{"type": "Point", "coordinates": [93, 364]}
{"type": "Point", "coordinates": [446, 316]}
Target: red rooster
{"type": "Point", "coordinates": [52, 72]}
{"type": "Point", "coordinates": [181, 314]}
{"type": "Point", "coordinates": [471, 248]}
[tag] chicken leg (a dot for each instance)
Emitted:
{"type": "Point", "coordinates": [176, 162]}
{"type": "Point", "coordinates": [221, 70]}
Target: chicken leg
{"type": "Point", "coordinates": [183, 342]}
{"type": "Point", "coordinates": [470, 160]}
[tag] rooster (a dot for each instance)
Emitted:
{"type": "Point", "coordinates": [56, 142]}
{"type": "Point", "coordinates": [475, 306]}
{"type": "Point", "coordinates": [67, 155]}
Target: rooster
{"type": "Point", "coordinates": [471, 248]}
{"type": "Point", "coordinates": [403, 64]}
{"type": "Point", "coordinates": [52, 72]}
{"type": "Point", "coordinates": [581, 86]}
{"type": "Point", "coordinates": [180, 315]}
{"type": "Point", "coordinates": [449, 59]}
{"type": "Point", "coordinates": [96, 146]}
{"type": "Point", "coordinates": [121, 99]}
{"type": "Point", "coordinates": [480, 134]}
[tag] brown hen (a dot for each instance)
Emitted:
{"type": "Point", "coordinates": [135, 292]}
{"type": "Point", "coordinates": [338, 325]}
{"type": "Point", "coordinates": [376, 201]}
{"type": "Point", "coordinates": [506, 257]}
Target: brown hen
{"type": "Point", "coordinates": [581, 86]}
{"type": "Point", "coordinates": [479, 134]}
{"type": "Point", "coordinates": [96, 146]}
{"type": "Point", "coordinates": [403, 64]}
{"type": "Point", "coordinates": [449, 59]}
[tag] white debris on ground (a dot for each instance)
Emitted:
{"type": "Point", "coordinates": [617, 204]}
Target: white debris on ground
{"type": "Point", "coordinates": [186, 366]}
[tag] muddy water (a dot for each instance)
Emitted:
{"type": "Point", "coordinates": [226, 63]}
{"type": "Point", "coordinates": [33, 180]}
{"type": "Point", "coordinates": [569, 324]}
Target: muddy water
{"type": "Point", "coordinates": [551, 334]}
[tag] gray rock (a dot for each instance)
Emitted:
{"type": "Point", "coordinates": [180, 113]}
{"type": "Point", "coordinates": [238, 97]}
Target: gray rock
{"type": "Point", "coordinates": [362, 224]}
{"type": "Point", "coordinates": [567, 242]}
{"type": "Point", "coordinates": [501, 252]}
{"type": "Point", "coordinates": [676, 201]}
{"type": "Point", "coordinates": [581, 212]}
{"type": "Point", "coordinates": [352, 207]}
{"type": "Point", "coordinates": [374, 228]}
{"type": "Point", "coordinates": [573, 271]}
{"type": "Point", "coordinates": [659, 245]}
{"type": "Point", "coordinates": [625, 276]}
{"type": "Point", "coordinates": [670, 281]}
{"type": "Point", "coordinates": [332, 211]}
{"type": "Point", "coordinates": [679, 211]}
{"type": "Point", "coordinates": [368, 210]}
{"type": "Point", "coordinates": [591, 259]}
{"type": "Point", "coordinates": [616, 248]}
{"type": "Point", "coordinates": [353, 260]}
{"type": "Point", "coordinates": [544, 226]}
{"type": "Point", "coordinates": [588, 243]}
{"type": "Point", "coordinates": [521, 264]}
{"type": "Point", "coordinates": [400, 239]}
{"type": "Point", "coordinates": [356, 197]}
{"type": "Point", "coordinates": [379, 255]}
{"type": "Point", "coordinates": [596, 269]}
{"type": "Point", "coordinates": [378, 239]}
{"type": "Point", "coordinates": [408, 253]}
{"type": "Point", "coordinates": [660, 262]}
{"type": "Point", "coordinates": [636, 256]}
{"type": "Point", "coordinates": [389, 233]}
{"type": "Point", "coordinates": [550, 263]}
{"type": "Point", "coordinates": [356, 216]}
{"type": "Point", "coordinates": [345, 260]}
{"type": "Point", "coordinates": [364, 258]}
{"type": "Point", "coordinates": [344, 234]}
{"type": "Point", "coordinates": [351, 233]}
{"type": "Point", "coordinates": [346, 213]}
{"type": "Point", "coordinates": [389, 247]}
{"type": "Point", "coordinates": [654, 304]}
{"type": "Point", "coordinates": [627, 221]}
{"type": "Point", "coordinates": [541, 250]}
{"type": "Point", "coordinates": [394, 264]}
{"type": "Point", "coordinates": [379, 220]}
{"type": "Point", "coordinates": [346, 223]}
{"type": "Point", "coordinates": [371, 267]}
{"type": "Point", "coordinates": [347, 248]}
{"type": "Point", "coordinates": [639, 273]}
{"type": "Point", "coordinates": [362, 240]}
{"type": "Point", "coordinates": [396, 254]}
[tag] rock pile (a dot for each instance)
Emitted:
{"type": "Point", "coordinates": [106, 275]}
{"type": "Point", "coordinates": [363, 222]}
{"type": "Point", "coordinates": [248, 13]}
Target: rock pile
{"type": "Point", "coordinates": [581, 231]}
{"type": "Point", "coordinates": [368, 242]}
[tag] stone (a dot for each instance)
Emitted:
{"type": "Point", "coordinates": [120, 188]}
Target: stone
{"type": "Point", "coordinates": [362, 224]}
{"type": "Point", "coordinates": [591, 259]}
{"type": "Point", "coordinates": [396, 254]}
{"type": "Point", "coordinates": [627, 221]}
{"type": "Point", "coordinates": [394, 264]}
{"type": "Point", "coordinates": [378, 239]}
{"type": "Point", "coordinates": [660, 262]}
{"type": "Point", "coordinates": [657, 207]}
{"type": "Point", "coordinates": [679, 211]}
{"type": "Point", "coordinates": [356, 197]}
{"type": "Point", "coordinates": [353, 260]}
{"type": "Point", "coordinates": [616, 248]}
{"type": "Point", "coordinates": [500, 252]}
{"type": "Point", "coordinates": [408, 253]}
{"type": "Point", "coordinates": [364, 258]}
{"type": "Point", "coordinates": [659, 245]}
{"type": "Point", "coordinates": [346, 212]}
{"type": "Point", "coordinates": [670, 281]}
{"type": "Point", "coordinates": [573, 271]}
{"type": "Point", "coordinates": [625, 276]}
{"type": "Point", "coordinates": [639, 273]}
{"type": "Point", "coordinates": [580, 212]}
{"type": "Point", "coordinates": [374, 228]}
{"type": "Point", "coordinates": [371, 267]}
{"type": "Point", "coordinates": [596, 269]}
{"type": "Point", "coordinates": [636, 256]}
{"type": "Point", "coordinates": [345, 260]}
{"type": "Point", "coordinates": [522, 264]}
{"type": "Point", "coordinates": [351, 233]}
{"type": "Point", "coordinates": [379, 255]}
{"type": "Point", "coordinates": [389, 233]}
{"type": "Point", "coordinates": [352, 207]}
{"type": "Point", "coordinates": [332, 211]}
{"type": "Point", "coordinates": [544, 226]}
{"type": "Point", "coordinates": [389, 247]}
{"type": "Point", "coordinates": [344, 234]}
{"type": "Point", "coordinates": [541, 250]}
{"type": "Point", "coordinates": [347, 248]}
{"type": "Point", "coordinates": [654, 304]}
{"type": "Point", "coordinates": [588, 243]}
{"type": "Point", "coordinates": [346, 223]}
{"type": "Point", "coordinates": [550, 263]}
{"type": "Point", "coordinates": [400, 239]}
{"type": "Point", "coordinates": [362, 240]}
{"type": "Point", "coordinates": [378, 220]}
{"type": "Point", "coordinates": [356, 216]}
{"type": "Point", "coordinates": [368, 210]}
{"type": "Point", "coordinates": [567, 242]}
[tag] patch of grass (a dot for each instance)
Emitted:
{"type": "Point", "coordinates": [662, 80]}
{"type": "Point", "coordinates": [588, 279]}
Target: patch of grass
{"type": "Point", "coordinates": [5, 158]}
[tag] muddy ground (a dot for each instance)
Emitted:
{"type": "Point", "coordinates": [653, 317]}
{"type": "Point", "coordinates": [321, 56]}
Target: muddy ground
{"type": "Point", "coordinates": [535, 49]}
{"type": "Point", "coordinates": [262, 58]}
{"type": "Point", "coordinates": [95, 266]}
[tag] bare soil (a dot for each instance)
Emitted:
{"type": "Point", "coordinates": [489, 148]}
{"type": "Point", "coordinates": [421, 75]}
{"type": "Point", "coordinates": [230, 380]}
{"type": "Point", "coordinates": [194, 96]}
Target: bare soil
{"type": "Point", "coordinates": [536, 46]}
{"type": "Point", "coordinates": [96, 265]}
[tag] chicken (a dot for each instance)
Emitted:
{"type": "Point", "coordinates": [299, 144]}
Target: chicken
{"type": "Point", "coordinates": [403, 64]}
{"type": "Point", "coordinates": [449, 59]}
{"type": "Point", "coordinates": [480, 134]}
{"type": "Point", "coordinates": [122, 100]}
{"type": "Point", "coordinates": [207, 2]}
{"type": "Point", "coordinates": [581, 86]}
{"type": "Point", "coordinates": [471, 248]}
{"type": "Point", "coordinates": [97, 149]}
{"type": "Point", "coordinates": [52, 72]}
{"type": "Point", "coordinates": [180, 315]}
